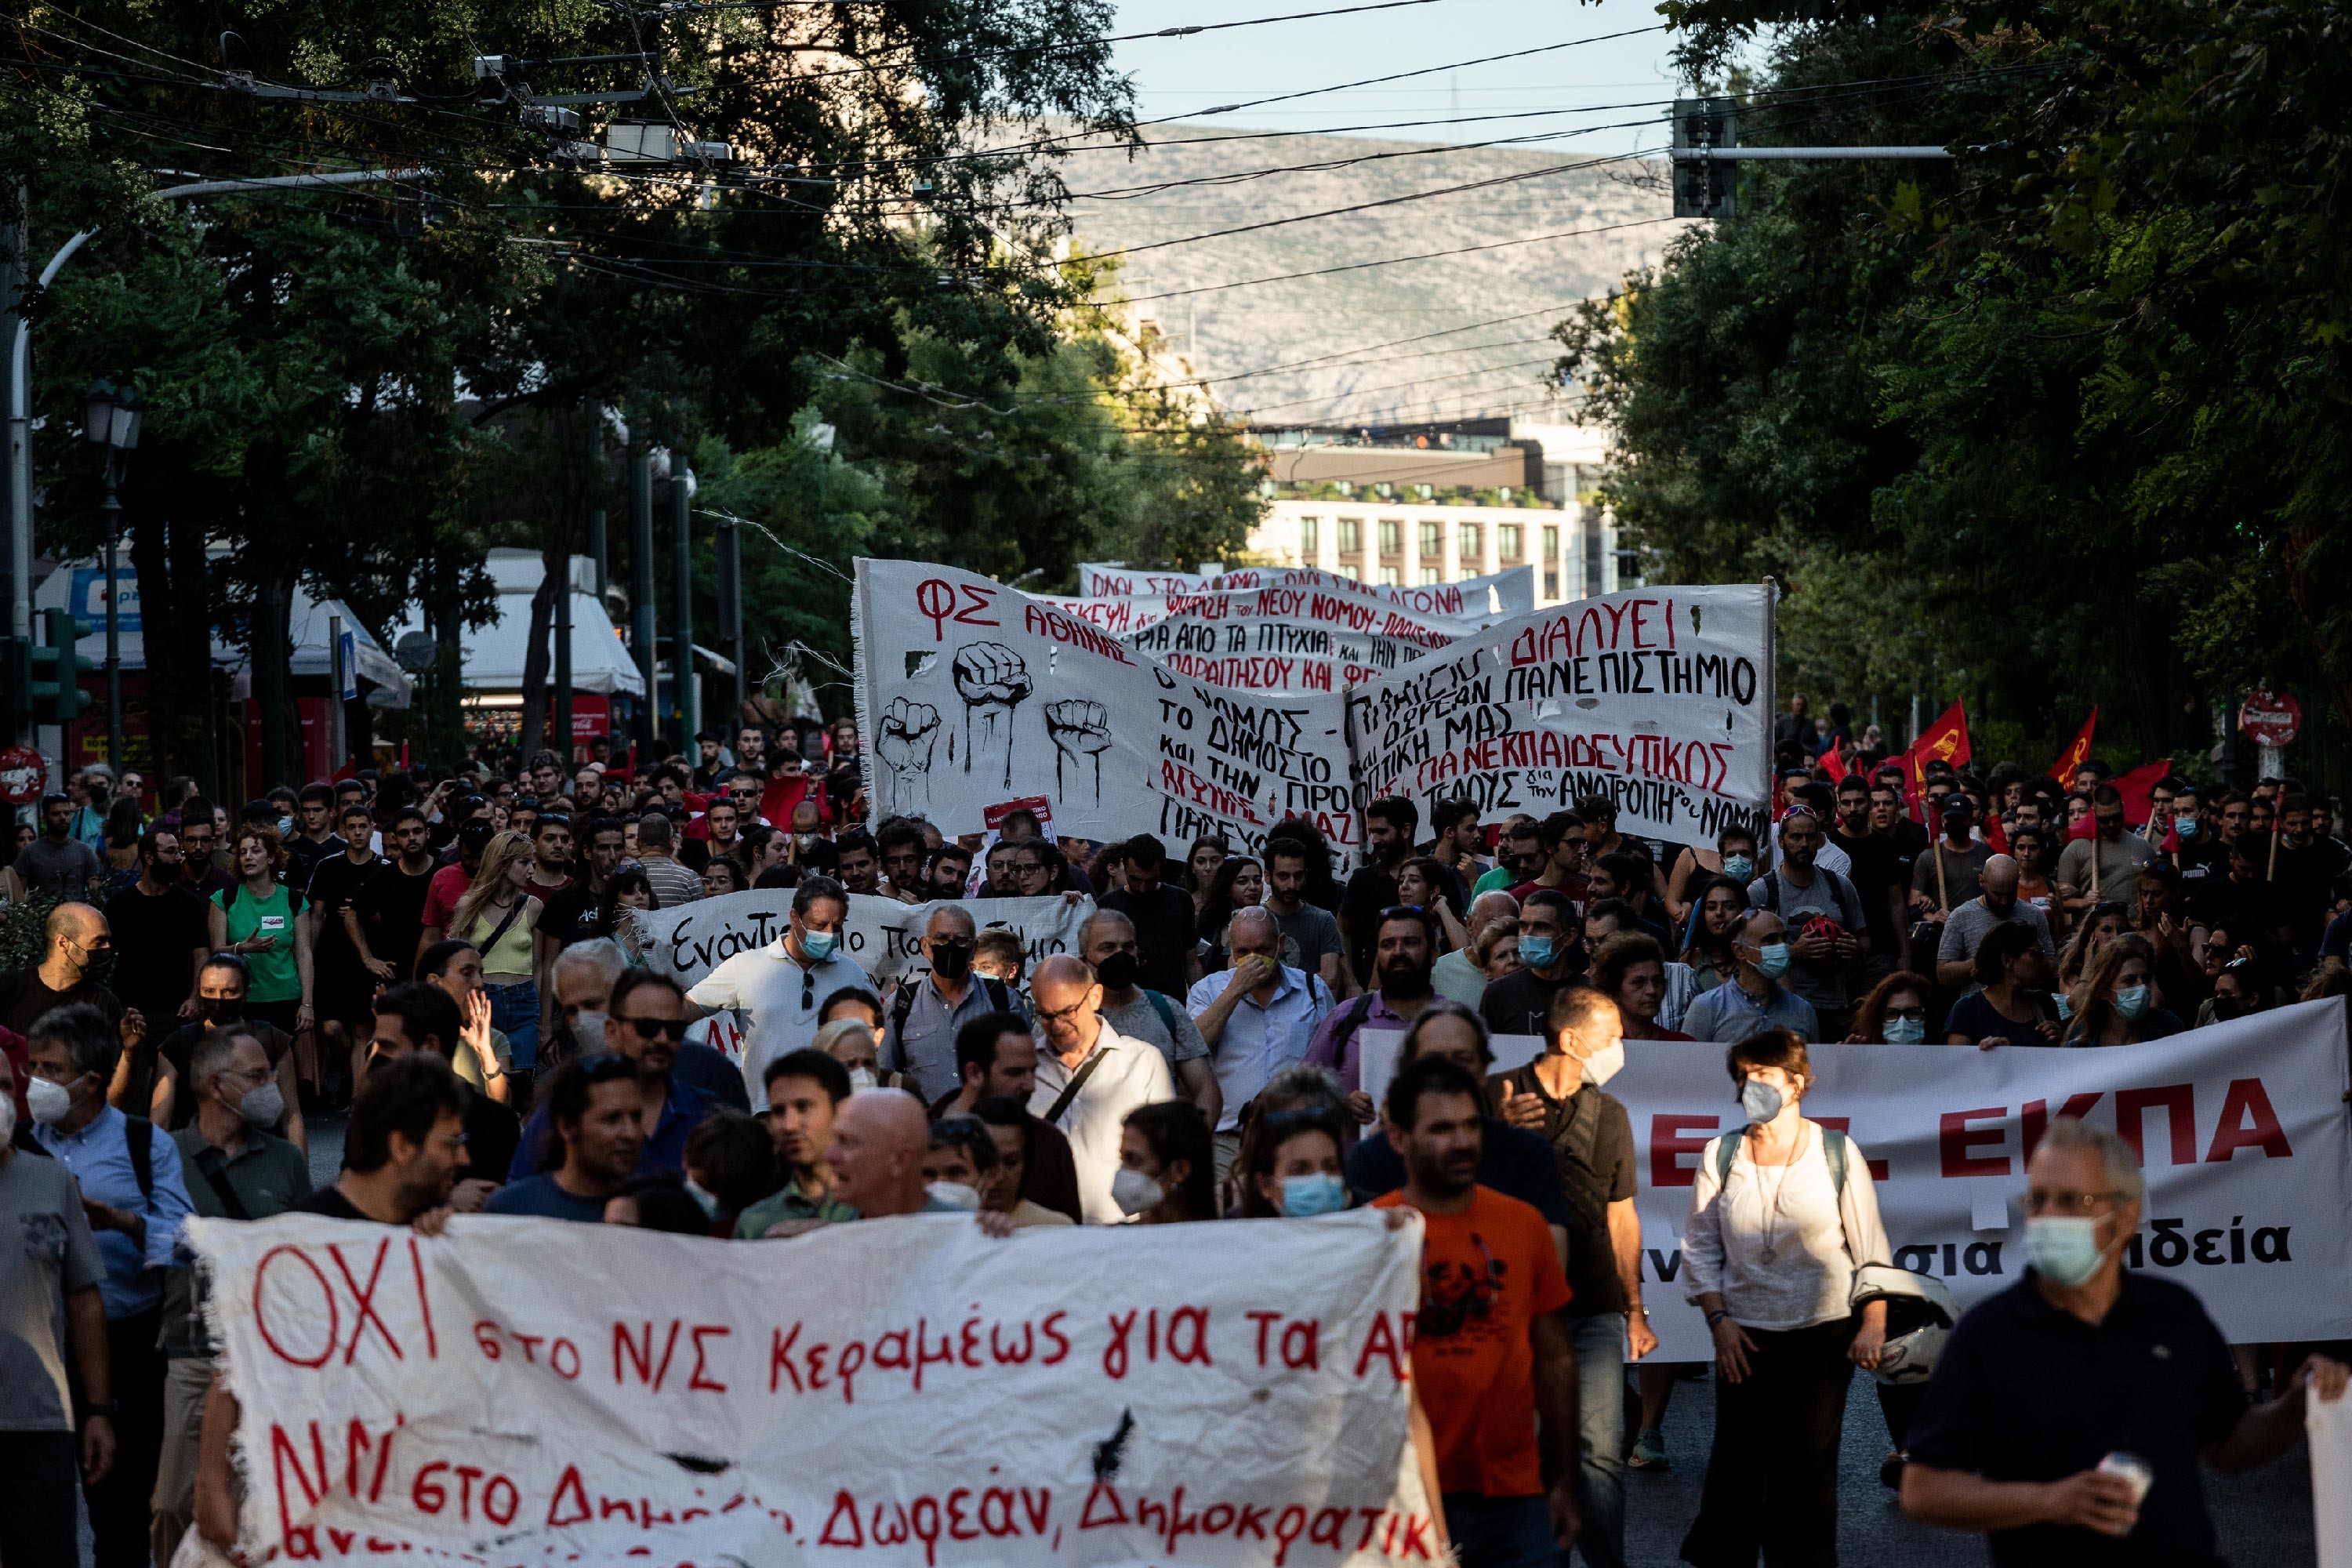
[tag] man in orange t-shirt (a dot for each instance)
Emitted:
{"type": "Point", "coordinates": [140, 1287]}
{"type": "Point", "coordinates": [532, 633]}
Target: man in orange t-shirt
{"type": "Point", "coordinates": [1490, 1349]}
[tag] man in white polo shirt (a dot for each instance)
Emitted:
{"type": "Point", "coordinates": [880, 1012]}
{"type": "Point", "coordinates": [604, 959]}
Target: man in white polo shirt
{"type": "Point", "coordinates": [1089, 1075]}
{"type": "Point", "coordinates": [779, 987]}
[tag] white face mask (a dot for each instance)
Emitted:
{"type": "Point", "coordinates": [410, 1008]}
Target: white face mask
{"type": "Point", "coordinates": [262, 1107]}
{"type": "Point", "coordinates": [589, 1029]}
{"type": "Point", "coordinates": [8, 1117]}
{"type": "Point", "coordinates": [50, 1103]}
{"type": "Point", "coordinates": [954, 1196]}
{"type": "Point", "coordinates": [1603, 1064]}
{"type": "Point", "coordinates": [1136, 1192]}
{"type": "Point", "coordinates": [862, 1077]}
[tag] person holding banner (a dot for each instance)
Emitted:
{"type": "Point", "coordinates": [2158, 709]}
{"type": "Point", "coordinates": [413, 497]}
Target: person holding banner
{"type": "Point", "coordinates": [1782, 1213]}
{"type": "Point", "coordinates": [2121, 1004]}
{"type": "Point", "coordinates": [2079, 1402]}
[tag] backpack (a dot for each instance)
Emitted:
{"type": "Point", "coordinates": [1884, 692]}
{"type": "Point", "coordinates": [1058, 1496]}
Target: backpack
{"type": "Point", "coordinates": [1833, 1148]}
{"type": "Point", "coordinates": [1350, 1021]}
{"type": "Point", "coordinates": [1840, 893]}
{"type": "Point", "coordinates": [998, 997]}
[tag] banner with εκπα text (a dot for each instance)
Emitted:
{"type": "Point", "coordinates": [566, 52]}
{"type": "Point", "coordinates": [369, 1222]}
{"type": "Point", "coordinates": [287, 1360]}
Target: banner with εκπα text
{"type": "Point", "coordinates": [902, 1393]}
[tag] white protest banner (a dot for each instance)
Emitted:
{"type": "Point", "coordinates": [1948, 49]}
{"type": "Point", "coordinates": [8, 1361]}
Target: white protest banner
{"type": "Point", "coordinates": [970, 693]}
{"type": "Point", "coordinates": [2241, 1127]}
{"type": "Point", "coordinates": [1266, 655]}
{"type": "Point", "coordinates": [905, 1393]}
{"type": "Point", "coordinates": [1495, 596]}
{"type": "Point", "coordinates": [2330, 1424]}
{"type": "Point", "coordinates": [1657, 698]}
{"type": "Point", "coordinates": [880, 936]}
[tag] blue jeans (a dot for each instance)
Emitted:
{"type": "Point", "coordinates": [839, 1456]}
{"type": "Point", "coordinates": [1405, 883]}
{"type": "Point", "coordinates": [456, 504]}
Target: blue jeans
{"type": "Point", "coordinates": [1501, 1532]}
{"type": "Point", "coordinates": [1600, 1342]}
{"type": "Point", "coordinates": [514, 1013]}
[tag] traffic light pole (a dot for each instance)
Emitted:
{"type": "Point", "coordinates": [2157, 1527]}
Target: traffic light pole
{"type": "Point", "coordinates": [113, 509]}
{"type": "Point", "coordinates": [681, 666]}
{"type": "Point", "coordinates": [641, 600]}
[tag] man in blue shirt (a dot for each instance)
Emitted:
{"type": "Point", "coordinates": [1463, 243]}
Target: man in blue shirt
{"type": "Point", "coordinates": [1258, 1017]}
{"type": "Point", "coordinates": [594, 1110]}
{"type": "Point", "coordinates": [136, 1200]}
{"type": "Point", "coordinates": [1754, 999]}
{"type": "Point", "coordinates": [647, 1026]}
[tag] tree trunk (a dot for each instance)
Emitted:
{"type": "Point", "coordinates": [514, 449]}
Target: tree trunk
{"type": "Point", "coordinates": [535, 655]}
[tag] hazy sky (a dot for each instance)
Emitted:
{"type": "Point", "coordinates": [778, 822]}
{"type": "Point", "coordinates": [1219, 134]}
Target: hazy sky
{"type": "Point", "coordinates": [1184, 77]}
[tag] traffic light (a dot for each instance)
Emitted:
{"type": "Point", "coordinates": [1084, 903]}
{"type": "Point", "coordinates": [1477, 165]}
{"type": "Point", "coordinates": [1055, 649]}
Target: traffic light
{"type": "Point", "coordinates": [1703, 188]}
{"type": "Point", "coordinates": [56, 669]}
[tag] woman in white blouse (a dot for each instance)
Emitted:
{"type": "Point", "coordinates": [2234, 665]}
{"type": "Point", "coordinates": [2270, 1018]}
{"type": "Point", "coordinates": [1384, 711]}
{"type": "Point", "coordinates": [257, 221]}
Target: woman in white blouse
{"type": "Point", "coordinates": [1782, 1212]}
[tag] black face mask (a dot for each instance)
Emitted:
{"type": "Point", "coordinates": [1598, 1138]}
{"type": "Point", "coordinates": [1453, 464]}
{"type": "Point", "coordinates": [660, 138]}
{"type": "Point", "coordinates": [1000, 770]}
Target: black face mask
{"type": "Point", "coordinates": [1118, 970]}
{"type": "Point", "coordinates": [220, 1009]}
{"type": "Point", "coordinates": [951, 960]}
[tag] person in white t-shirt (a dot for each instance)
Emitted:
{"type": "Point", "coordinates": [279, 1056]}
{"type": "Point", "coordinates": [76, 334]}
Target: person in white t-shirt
{"type": "Point", "coordinates": [1089, 1075]}
{"type": "Point", "coordinates": [779, 988]}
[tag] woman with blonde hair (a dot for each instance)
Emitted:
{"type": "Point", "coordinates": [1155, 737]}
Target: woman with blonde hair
{"type": "Point", "coordinates": [499, 916]}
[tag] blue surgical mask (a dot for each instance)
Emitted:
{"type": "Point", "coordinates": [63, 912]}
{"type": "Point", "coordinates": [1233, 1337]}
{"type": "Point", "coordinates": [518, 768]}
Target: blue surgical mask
{"type": "Point", "coordinates": [1761, 1100]}
{"type": "Point", "coordinates": [2064, 1248]}
{"type": "Point", "coordinates": [1317, 1192]}
{"type": "Point", "coordinates": [2185, 826]}
{"type": "Point", "coordinates": [1905, 1031]}
{"type": "Point", "coordinates": [1772, 960]}
{"type": "Point", "coordinates": [1740, 868]}
{"type": "Point", "coordinates": [1535, 952]}
{"type": "Point", "coordinates": [2131, 1001]}
{"type": "Point", "coordinates": [820, 944]}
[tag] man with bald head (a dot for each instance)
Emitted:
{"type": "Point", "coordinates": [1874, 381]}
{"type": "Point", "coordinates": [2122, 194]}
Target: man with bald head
{"type": "Point", "coordinates": [1456, 976]}
{"type": "Point", "coordinates": [1258, 1016]}
{"type": "Point", "coordinates": [1996, 902]}
{"type": "Point", "coordinates": [928, 1009]}
{"type": "Point", "coordinates": [877, 1155]}
{"type": "Point", "coordinates": [1089, 1075]}
{"type": "Point", "coordinates": [76, 939]}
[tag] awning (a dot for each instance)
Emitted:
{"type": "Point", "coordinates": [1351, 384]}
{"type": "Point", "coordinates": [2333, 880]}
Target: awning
{"type": "Point", "coordinates": [494, 653]}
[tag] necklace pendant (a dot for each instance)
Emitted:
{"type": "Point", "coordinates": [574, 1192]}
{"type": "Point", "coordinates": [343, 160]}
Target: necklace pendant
{"type": "Point", "coordinates": [1766, 1255]}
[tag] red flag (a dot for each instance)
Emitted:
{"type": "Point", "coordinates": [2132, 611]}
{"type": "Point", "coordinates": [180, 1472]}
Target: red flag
{"type": "Point", "coordinates": [1996, 836]}
{"type": "Point", "coordinates": [1834, 763]}
{"type": "Point", "coordinates": [2138, 785]}
{"type": "Point", "coordinates": [2077, 752]}
{"type": "Point", "coordinates": [1946, 740]}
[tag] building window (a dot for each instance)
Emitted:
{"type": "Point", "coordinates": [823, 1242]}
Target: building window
{"type": "Point", "coordinates": [1430, 544]}
{"type": "Point", "coordinates": [1388, 576]}
{"type": "Point", "coordinates": [1352, 535]}
{"type": "Point", "coordinates": [1551, 544]}
{"type": "Point", "coordinates": [1551, 584]}
{"type": "Point", "coordinates": [1506, 541]}
{"type": "Point", "coordinates": [1392, 537]}
{"type": "Point", "coordinates": [1428, 575]}
{"type": "Point", "coordinates": [1311, 537]}
{"type": "Point", "coordinates": [1471, 545]}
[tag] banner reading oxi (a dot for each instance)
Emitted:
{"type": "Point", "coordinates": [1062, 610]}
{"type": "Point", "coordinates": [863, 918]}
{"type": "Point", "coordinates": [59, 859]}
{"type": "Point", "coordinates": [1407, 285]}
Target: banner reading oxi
{"type": "Point", "coordinates": [970, 693]}
{"type": "Point", "coordinates": [1657, 698]}
{"type": "Point", "coordinates": [1495, 596]}
{"type": "Point", "coordinates": [880, 936]}
{"type": "Point", "coordinates": [2241, 1129]}
{"type": "Point", "coordinates": [903, 1392]}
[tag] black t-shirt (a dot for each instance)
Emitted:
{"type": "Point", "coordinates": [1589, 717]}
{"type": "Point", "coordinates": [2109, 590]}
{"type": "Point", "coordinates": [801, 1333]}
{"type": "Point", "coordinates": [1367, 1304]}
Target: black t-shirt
{"type": "Point", "coordinates": [1369, 891]}
{"type": "Point", "coordinates": [24, 996]}
{"type": "Point", "coordinates": [303, 857]}
{"type": "Point", "coordinates": [329, 1201]}
{"type": "Point", "coordinates": [1975, 1017]}
{"type": "Point", "coordinates": [1591, 1137]}
{"type": "Point", "coordinates": [153, 938]}
{"type": "Point", "coordinates": [1513, 1160]}
{"type": "Point", "coordinates": [1520, 1002]}
{"type": "Point", "coordinates": [571, 914]}
{"type": "Point", "coordinates": [1163, 935]}
{"type": "Point", "coordinates": [2024, 1391]}
{"type": "Point", "coordinates": [391, 913]}
{"type": "Point", "coordinates": [334, 884]}
{"type": "Point", "coordinates": [1879, 864]}
{"type": "Point", "coordinates": [492, 1134]}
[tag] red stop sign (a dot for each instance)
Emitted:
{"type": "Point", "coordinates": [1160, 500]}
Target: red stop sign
{"type": "Point", "coordinates": [2272, 718]}
{"type": "Point", "coordinates": [23, 775]}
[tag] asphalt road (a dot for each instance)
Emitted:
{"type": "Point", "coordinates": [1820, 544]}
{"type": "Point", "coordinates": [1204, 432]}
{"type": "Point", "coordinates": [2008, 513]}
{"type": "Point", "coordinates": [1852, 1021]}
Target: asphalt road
{"type": "Point", "coordinates": [2264, 1517]}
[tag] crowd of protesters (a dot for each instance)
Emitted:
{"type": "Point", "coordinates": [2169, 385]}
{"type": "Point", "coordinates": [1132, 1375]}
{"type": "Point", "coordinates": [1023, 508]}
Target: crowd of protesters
{"type": "Point", "coordinates": [449, 961]}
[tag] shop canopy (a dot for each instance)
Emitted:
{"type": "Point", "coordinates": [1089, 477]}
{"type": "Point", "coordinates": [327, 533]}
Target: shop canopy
{"type": "Point", "coordinates": [494, 653]}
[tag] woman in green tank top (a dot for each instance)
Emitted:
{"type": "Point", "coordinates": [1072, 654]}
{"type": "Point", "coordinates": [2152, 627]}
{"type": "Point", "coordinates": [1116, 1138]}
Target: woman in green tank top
{"type": "Point", "coordinates": [269, 924]}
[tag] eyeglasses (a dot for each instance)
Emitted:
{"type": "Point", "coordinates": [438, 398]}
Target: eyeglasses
{"type": "Point", "coordinates": [1072, 1011]}
{"type": "Point", "coordinates": [2039, 1200]}
{"type": "Point", "coordinates": [647, 1028]}
{"type": "Point", "coordinates": [1918, 1013]}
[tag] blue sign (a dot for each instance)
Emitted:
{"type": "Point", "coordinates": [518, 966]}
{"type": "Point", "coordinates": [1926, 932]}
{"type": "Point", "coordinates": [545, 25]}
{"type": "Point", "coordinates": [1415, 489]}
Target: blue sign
{"type": "Point", "coordinates": [347, 655]}
{"type": "Point", "coordinates": [89, 601]}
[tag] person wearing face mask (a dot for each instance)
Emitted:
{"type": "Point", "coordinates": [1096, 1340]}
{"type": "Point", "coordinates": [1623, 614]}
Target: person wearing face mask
{"type": "Point", "coordinates": [1167, 1169]}
{"type": "Point", "coordinates": [1107, 942]}
{"type": "Point", "coordinates": [236, 1169]}
{"type": "Point", "coordinates": [136, 1199]}
{"type": "Point", "coordinates": [1552, 956]}
{"type": "Point", "coordinates": [2121, 1004]}
{"type": "Point", "coordinates": [961, 1167]}
{"type": "Point", "coordinates": [1559, 1094]}
{"type": "Point", "coordinates": [1996, 903]}
{"type": "Point", "coordinates": [2081, 1359]}
{"type": "Point", "coordinates": [2237, 991]}
{"type": "Point", "coordinates": [1734, 856]}
{"type": "Point", "coordinates": [1819, 904]}
{"type": "Point", "coordinates": [1293, 1167]}
{"type": "Point", "coordinates": [928, 1009]}
{"type": "Point", "coordinates": [777, 988]}
{"type": "Point", "coordinates": [2010, 1003]}
{"type": "Point", "coordinates": [1782, 1213]}
{"type": "Point", "coordinates": [221, 987]}
{"type": "Point", "coordinates": [1894, 1013]}
{"type": "Point", "coordinates": [1754, 998]}
{"type": "Point", "coordinates": [582, 976]}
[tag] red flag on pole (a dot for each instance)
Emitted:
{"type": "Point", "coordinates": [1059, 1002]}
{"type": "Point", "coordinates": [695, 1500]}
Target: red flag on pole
{"type": "Point", "coordinates": [1834, 763]}
{"type": "Point", "coordinates": [2138, 787]}
{"type": "Point", "coordinates": [1946, 740]}
{"type": "Point", "coordinates": [2077, 752]}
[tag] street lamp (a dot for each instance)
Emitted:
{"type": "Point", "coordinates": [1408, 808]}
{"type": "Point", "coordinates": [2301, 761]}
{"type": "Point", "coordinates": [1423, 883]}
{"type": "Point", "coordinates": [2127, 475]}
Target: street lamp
{"type": "Point", "coordinates": [110, 419]}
